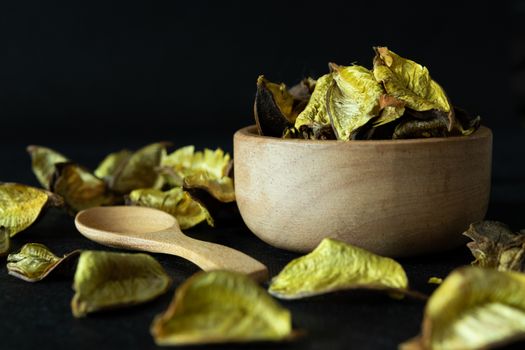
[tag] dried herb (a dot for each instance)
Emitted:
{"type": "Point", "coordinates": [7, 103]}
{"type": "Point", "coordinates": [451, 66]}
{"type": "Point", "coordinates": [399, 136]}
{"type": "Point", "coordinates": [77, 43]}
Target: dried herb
{"type": "Point", "coordinates": [43, 162]}
{"type": "Point", "coordinates": [80, 188]}
{"type": "Point", "coordinates": [35, 261]}
{"type": "Point", "coordinates": [176, 202]}
{"type": "Point", "coordinates": [333, 266]}
{"type": "Point", "coordinates": [494, 245]}
{"type": "Point", "coordinates": [474, 308]}
{"type": "Point", "coordinates": [219, 307]}
{"type": "Point", "coordinates": [21, 205]}
{"type": "Point", "coordinates": [105, 280]}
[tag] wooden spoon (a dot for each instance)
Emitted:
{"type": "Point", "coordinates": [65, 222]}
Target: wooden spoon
{"type": "Point", "coordinates": [152, 230]}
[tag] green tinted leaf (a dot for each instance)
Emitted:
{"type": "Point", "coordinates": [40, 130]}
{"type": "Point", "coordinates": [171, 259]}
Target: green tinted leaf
{"type": "Point", "coordinates": [34, 262]}
{"type": "Point", "coordinates": [334, 265]}
{"type": "Point", "coordinates": [185, 161]}
{"type": "Point", "coordinates": [112, 164]}
{"type": "Point", "coordinates": [474, 308]}
{"type": "Point", "coordinates": [105, 280]}
{"type": "Point", "coordinates": [176, 202]}
{"type": "Point", "coordinates": [79, 188]}
{"type": "Point", "coordinates": [20, 206]}
{"type": "Point", "coordinates": [218, 307]}
{"type": "Point", "coordinates": [43, 162]}
{"type": "Point", "coordinates": [315, 110]}
{"type": "Point", "coordinates": [353, 99]}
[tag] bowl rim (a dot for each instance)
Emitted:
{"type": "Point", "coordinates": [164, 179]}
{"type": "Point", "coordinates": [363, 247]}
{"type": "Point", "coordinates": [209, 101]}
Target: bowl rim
{"type": "Point", "coordinates": [251, 132]}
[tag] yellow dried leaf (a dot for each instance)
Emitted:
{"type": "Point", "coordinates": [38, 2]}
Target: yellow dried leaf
{"type": "Point", "coordinates": [79, 188]}
{"type": "Point", "coordinates": [112, 164]}
{"type": "Point", "coordinates": [34, 262]}
{"type": "Point", "coordinates": [43, 162]}
{"type": "Point", "coordinates": [352, 100]}
{"type": "Point", "coordinates": [105, 280]}
{"type": "Point", "coordinates": [474, 308]}
{"type": "Point", "coordinates": [185, 161]}
{"type": "Point", "coordinates": [5, 241]}
{"type": "Point", "coordinates": [410, 82]}
{"type": "Point", "coordinates": [220, 307]}
{"type": "Point", "coordinates": [20, 206]}
{"type": "Point", "coordinates": [315, 110]}
{"type": "Point", "coordinates": [221, 189]}
{"type": "Point", "coordinates": [333, 266]}
{"type": "Point", "coordinates": [137, 170]}
{"type": "Point", "coordinates": [176, 202]}
{"type": "Point", "coordinates": [435, 280]}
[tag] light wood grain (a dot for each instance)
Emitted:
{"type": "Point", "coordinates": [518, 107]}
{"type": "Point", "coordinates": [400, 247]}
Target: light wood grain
{"type": "Point", "coordinates": [151, 230]}
{"type": "Point", "coordinates": [393, 197]}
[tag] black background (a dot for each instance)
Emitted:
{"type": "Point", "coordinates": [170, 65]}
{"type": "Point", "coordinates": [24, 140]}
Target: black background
{"type": "Point", "coordinates": [89, 79]}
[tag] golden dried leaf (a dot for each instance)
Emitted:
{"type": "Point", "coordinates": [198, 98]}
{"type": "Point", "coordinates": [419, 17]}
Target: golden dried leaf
{"type": "Point", "coordinates": [43, 162]}
{"type": "Point", "coordinates": [79, 188]}
{"type": "Point", "coordinates": [105, 280]}
{"type": "Point", "coordinates": [474, 308]}
{"type": "Point", "coordinates": [112, 164]}
{"type": "Point", "coordinates": [5, 241]}
{"type": "Point", "coordinates": [20, 206]}
{"type": "Point", "coordinates": [176, 202]}
{"type": "Point", "coordinates": [315, 110]}
{"type": "Point", "coordinates": [411, 82]}
{"type": "Point", "coordinates": [222, 189]}
{"type": "Point", "coordinates": [333, 266]}
{"type": "Point", "coordinates": [220, 307]}
{"type": "Point", "coordinates": [391, 109]}
{"type": "Point", "coordinates": [496, 246]}
{"type": "Point", "coordinates": [352, 100]}
{"type": "Point", "coordinates": [435, 280]}
{"type": "Point", "coordinates": [137, 170]}
{"type": "Point", "coordinates": [185, 161]}
{"type": "Point", "coordinates": [34, 262]}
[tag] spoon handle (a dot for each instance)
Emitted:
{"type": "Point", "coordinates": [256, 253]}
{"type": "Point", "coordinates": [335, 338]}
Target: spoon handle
{"type": "Point", "coordinates": [210, 256]}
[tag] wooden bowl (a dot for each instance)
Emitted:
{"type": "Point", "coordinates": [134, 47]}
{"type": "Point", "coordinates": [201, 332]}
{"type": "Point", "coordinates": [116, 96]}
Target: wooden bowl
{"type": "Point", "coordinates": [392, 197]}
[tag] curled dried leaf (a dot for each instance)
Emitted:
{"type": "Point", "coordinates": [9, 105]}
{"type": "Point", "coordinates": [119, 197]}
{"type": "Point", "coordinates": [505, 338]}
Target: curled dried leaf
{"type": "Point", "coordinates": [176, 202]}
{"type": "Point", "coordinates": [333, 266]}
{"type": "Point", "coordinates": [112, 164]}
{"type": "Point", "coordinates": [494, 245]}
{"type": "Point", "coordinates": [221, 189]}
{"type": "Point", "coordinates": [80, 188]}
{"type": "Point", "coordinates": [21, 205]}
{"type": "Point", "coordinates": [352, 100]}
{"type": "Point", "coordinates": [219, 307]}
{"type": "Point", "coordinates": [35, 261]}
{"type": "Point", "coordinates": [273, 108]}
{"type": "Point", "coordinates": [185, 161]}
{"type": "Point", "coordinates": [5, 241]}
{"type": "Point", "coordinates": [43, 162]}
{"type": "Point", "coordinates": [315, 110]}
{"type": "Point", "coordinates": [105, 280]}
{"type": "Point", "coordinates": [474, 308]}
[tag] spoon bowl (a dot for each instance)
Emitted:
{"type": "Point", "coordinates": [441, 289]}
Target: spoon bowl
{"type": "Point", "coordinates": [152, 230]}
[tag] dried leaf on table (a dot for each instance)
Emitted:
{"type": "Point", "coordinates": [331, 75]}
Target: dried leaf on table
{"type": "Point", "coordinates": [220, 307]}
{"type": "Point", "coordinates": [107, 280]}
{"type": "Point", "coordinates": [43, 162]}
{"type": "Point", "coordinates": [21, 206]}
{"type": "Point", "coordinates": [35, 261]}
{"type": "Point", "coordinates": [220, 188]}
{"type": "Point", "coordinates": [474, 308]}
{"type": "Point", "coordinates": [185, 161]}
{"type": "Point", "coordinates": [176, 202]}
{"type": "Point", "coordinates": [112, 164]}
{"type": "Point", "coordinates": [335, 265]}
{"type": "Point", "coordinates": [80, 188]}
{"type": "Point", "coordinates": [494, 245]}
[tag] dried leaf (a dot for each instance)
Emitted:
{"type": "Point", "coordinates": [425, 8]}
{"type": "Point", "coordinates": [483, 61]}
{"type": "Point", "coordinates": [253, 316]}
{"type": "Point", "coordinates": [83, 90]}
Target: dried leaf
{"type": "Point", "coordinates": [474, 308]}
{"type": "Point", "coordinates": [43, 162]}
{"type": "Point", "coordinates": [414, 128]}
{"type": "Point", "coordinates": [137, 170]}
{"type": "Point", "coordinates": [435, 280]}
{"type": "Point", "coordinates": [391, 109]}
{"type": "Point", "coordinates": [352, 100]}
{"type": "Point", "coordinates": [411, 82]}
{"type": "Point", "coordinates": [79, 188]}
{"type": "Point", "coordinates": [35, 261]}
{"type": "Point", "coordinates": [176, 202]}
{"type": "Point", "coordinates": [333, 266]}
{"type": "Point", "coordinates": [496, 246]}
{"type": "Point", "coordinates": [222, 189]}
{"type": "Point", "coordinates": [5, 241]}
{"type": "Point", "coordinates": [315, 110]}
{"type": "Point", "coordinates": [220, 307]}
{"type": "Point", "coordinates": [185, 161]}
{"type": "Point", "coordinates": [105, 280]}
{"type": "Point", "coordinates": [273, 108]}
{"type": "Point", "coordinates": [21, 205]}
{"type": "Point", "coordinates": [112, 164]}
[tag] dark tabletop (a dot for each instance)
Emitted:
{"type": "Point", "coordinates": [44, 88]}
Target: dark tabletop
{"type": "Point", "coordinates": [38, 315]}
